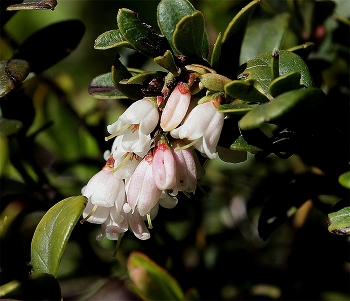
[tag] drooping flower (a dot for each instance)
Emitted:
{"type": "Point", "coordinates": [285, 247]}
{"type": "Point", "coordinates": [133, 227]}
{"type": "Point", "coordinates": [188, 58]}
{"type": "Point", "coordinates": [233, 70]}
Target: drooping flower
{"type": "Point", "coordinates": [142, 192]}
{"type": "Point", "coordinates": [176, 107]}
{"type": "Point", "coordinates": [202, 126]}
{"type": "Point", "coordinates": [163, 165]}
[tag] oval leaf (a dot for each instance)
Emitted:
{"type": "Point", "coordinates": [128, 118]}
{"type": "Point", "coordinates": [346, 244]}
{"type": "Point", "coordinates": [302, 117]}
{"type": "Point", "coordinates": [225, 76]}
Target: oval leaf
{"type": "Point", "coordinates": [189, 35]}
{"type": "Point", "coordinates": [232, 40]}
{"type": "Point", "coordinates": [284, 83]}
{"type": "Point", "coordinates": [214, 82]}
{"type": "Point", "coordinates": [245, 90]}
{"type": "Point", "coordinates": [259, 68]}
{"type": "Point", "coordinates": [289, 107]}
{"type": "Point", "coordinates": [52, 233]}
{"type": "Point", "coordinates": [12, 73]}
{"type": "Point", "coordinates": [111, 39]}
{"type": "Point", "coordinates": [344, 179]}
{"type": "Point", "coordinates": [140, 35]}
{"type": "Point", "coordinates": [151, 280]}
{"type": "Point", "coordinates": [102, 87]}
{"type": "Point", "coordinates": [9, 126]}
{"type": "Point", "coordinates": [339, 221]}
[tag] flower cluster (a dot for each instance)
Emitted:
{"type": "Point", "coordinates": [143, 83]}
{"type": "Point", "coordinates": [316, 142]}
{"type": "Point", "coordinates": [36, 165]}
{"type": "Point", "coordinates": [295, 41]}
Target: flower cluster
{"type": "Point", "coordinates": [152, 159]}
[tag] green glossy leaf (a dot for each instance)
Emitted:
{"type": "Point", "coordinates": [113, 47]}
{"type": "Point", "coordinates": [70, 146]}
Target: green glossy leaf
{"type": "Point", "coordinates": [259, 68]}
{"type": "Point", "coordinates": [189, 35]}
{"type": "Point", "coordinates": [111, 39]}
{"type": "Point", "coordinates": [344, 179]}
{"type": "Point", "coordinates": [264, 36]}
{"type": "Point", "coordinates": [12, 73]}
{"type": "Point", "coordinates": [232, 40]}
{"type": "Point", "coordinates": [303, 50]}
{"type": "Point", "coordinates": [216, 53]}
{"type": "Point", "coordinates": [214, 82]}
{"type": "Point", "coordinates": [167, 61]}
{"type": "Point", "coordinates": [284, 83]}
{"type": "Point", "coordinates": [236, 108]}
{"type": "Point", "coordinates": [9, 126]}
{"type": "Point", "coordinates": [140, 35]}
{"type": "Point", "coordinates": [121, 73]}
{"type": "Point", "coordinates": [245, 90]}
{"type": "Point", "coordinates": [169, 13]}
{"type": "Point", "coordinates": [51, 44]}
{"type": "Point", "coordinates": [38, 286]}
{"type": "Point", "coordinates": [33, 5]}
{"type": "Point", "coordinates": [102, 87]}
{"type": "Point", "coordinates": [241, 145]}
{"type": "Point", "coordinates": [151, 280]}
{"type": "Point", "coordinates": [339, 221]}
{"type": "Point", "coordinates": [52, 233]}
{"type": "Point", "coordinates": [287, 108]}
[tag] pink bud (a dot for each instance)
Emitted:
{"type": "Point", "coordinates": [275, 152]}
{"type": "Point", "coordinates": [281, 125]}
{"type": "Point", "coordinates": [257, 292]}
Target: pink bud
{"type": "Point", "coordinates": [176, 107]}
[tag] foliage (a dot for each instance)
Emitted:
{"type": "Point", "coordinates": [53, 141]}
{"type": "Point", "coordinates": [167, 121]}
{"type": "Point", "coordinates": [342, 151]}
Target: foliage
{"type": "Point", "coordinates": [257, 225]}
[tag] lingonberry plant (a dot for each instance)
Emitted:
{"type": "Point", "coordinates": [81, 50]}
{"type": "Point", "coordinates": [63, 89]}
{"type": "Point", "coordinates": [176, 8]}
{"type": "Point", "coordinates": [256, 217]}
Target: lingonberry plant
{"type": "Point", "coordinates": [202, 105]}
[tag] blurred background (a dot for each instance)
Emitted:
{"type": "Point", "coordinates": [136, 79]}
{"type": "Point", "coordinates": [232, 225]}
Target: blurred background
{"type": "Point", "coordinates": [210, 241]}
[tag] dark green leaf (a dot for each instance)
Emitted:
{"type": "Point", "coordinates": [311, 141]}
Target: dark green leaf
{"type": "Point", "coordinates": [9, 127]}
{"type": "Point", "coordinates": [102, 87]}
{"type": "Point", "coordinates": [245, 90]}
{"type": "Point", "coordinates": [140, 35]}
{"type": "Point", "coordinates": [51, 44]}
{"type": "Point", "coordinates": [263, 37]}
{"type": "Point", "coordinates": [151, 280]}
{"type": "Point", "coordinates": [216, 53]}
{"type": "Point", "coordinates": [339, 221]}
{"type": "Point", "coordinates": [189, 35]}
{"type": "Point", "coordinates": [52, 233]}
{"type": "Point", "coordinates": [169, 13]}
{"type": "Point", "coordinates": [284, 83]}
{"type": "Point", "coordinates": [259, 68]}
{"type": "Point", "coordinates": [288, 108]}
{"type": "Point", "coordinates": [167, 61]}
{"type": "Point", "coordinates": [214, 82]}
{"type": "Point", "coordinates": [34, 5]}
{"type": "Point", "coordinates": [143, 77]}
{"type": "Point", "coordinates": [121, 73]}
{"type": "Point", "coordinates": [344, 179]}
{"type": "Point", "coordinates": [12, 73]}
{"type": "Point", "coordinates": [232, 40]}
{"type": "Point", "coordinates": [111, 39]}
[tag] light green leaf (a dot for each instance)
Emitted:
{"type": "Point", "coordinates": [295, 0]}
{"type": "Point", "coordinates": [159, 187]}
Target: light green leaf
{"type": "Point", "coordinates": [236, 108]}
{"type": "Point", "coordinates": [102, 87]}
{"type": "Point", "coordinates": [344, 179]}
{"type": "Point", "coordinates": [141, 78]}
{"type": "Point", "coordinates": [189, 35]}
{"type": "Point", "coordinates": [151, 280]}
{"type": "Point", "coordinates": [241, 145]}
{"type": "Point", "coordinates": [12, 73]}
{"type": "Point", "coordinates": [264, 37]}
{"type": "Point", "coordinates": [111, 39]}
{"type": "Point", "coordinates": [140, 35]}
{"type": "Point", "coordinates": [52, 233]}
{"type": "Point", "coordinates": [339, 221]}
{"type": "Point", "coordinates": [214, 82]}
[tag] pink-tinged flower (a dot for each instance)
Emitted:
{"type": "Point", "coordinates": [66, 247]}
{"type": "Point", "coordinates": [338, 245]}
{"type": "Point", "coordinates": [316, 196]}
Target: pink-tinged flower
{"type": "Point", "coordinates": [111, 229]}
{"type": "Point", "coordinates": [103, 191]}
{"type": "Point", "coordinates": [176, 107]}
{"type": "Point", "coordinates": [186, 169]}
{"type": "Point", "coordinates": [136, 223]}
{"type": "Point", "coordinates": [203, 126]}
{"type": "Point", "coordinates": [163, 166]}
{"type": "Point", "coordinates": [142, 192]}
